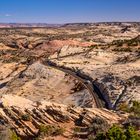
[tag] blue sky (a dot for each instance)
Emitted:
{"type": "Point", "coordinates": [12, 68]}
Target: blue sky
{"type": "Point", "coordinates": [65, 11]}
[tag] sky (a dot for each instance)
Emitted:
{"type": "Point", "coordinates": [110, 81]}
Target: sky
{"type": "Point", "coordinates": [68, 11]}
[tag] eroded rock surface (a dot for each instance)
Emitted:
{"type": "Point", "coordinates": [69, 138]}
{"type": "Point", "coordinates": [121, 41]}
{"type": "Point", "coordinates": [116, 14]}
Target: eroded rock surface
{"type": "Point", "coordinates": [25, 116]}
{"type": "Point", "coordinates": [32, 94]}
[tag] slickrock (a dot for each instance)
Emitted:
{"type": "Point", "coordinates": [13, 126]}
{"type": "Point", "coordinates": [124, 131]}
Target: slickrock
{"type": "Point", "coordinates": [94, 65]}
{"type": "Point", "coordinates": [25, 116]}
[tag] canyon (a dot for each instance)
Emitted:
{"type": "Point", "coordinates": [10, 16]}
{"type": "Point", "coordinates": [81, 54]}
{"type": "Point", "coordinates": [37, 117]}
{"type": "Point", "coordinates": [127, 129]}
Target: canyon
{"type": "Point", "coordinates": [58, 75]}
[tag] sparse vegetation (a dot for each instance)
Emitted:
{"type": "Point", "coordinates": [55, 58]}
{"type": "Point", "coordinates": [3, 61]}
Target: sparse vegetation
{"type": "Point", "coordinates": [134, 116]}
{"type": "Point", "coordinates": [14, 136]}
{"type": "Point", "coordinates": [26, 55]}
{"type": "Point", "coordinates": [98, 124]}
{"type": "Point", "coordinates": [26, 117]}
{"type": "Point", "coordinates": [123, 107]}
{"type": "Point", "coordinates": [8, 134]}
{"type": "Point", "coordinates": [76, 129]}
{"type": "Point", "coordinates": [134, 109]}
{"type": "Point", "coordinates": [49, 130]}
{"type": "Point", "coordinates": [118, 133]}
{"type": "Point", "coordinates": [127, 49]}
{"type": "Point", "coordinates": [130, 42]}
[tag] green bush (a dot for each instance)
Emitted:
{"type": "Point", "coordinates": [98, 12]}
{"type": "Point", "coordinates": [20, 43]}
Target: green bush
{"type": "Point", "coordinates": [100, 136]}
{"type": "Point", "coordinates": [26, 117]}
{"type": "Point", "coordinates": [131, 134]}
{"type": "Point", "coordinates": [118, 133]}
{"type": "Point", "coordinates": [45, 130]}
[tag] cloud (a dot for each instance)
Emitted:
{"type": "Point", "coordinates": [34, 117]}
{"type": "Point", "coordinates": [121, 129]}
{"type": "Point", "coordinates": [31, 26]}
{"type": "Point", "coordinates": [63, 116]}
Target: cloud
{"type": "Point", "coordinates": [7, 15]}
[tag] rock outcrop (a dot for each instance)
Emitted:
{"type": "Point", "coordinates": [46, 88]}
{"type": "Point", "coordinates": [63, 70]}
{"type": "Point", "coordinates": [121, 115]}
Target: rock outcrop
{"type": "Point", "coordinates": [25, 116]}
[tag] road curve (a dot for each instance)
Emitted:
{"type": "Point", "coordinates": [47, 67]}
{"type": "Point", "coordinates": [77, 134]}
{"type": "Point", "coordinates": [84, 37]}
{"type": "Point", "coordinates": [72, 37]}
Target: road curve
{"type": "Point", "coordinates": [88, 84]}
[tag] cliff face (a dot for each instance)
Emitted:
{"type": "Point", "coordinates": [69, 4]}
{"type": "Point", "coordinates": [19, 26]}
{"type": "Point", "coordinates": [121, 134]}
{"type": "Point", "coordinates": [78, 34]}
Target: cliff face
{"type": "Point", "coordinates": [111, 71]}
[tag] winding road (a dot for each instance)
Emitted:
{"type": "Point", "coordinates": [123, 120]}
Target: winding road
{"type": "Point", "coordinates": [87, 83]}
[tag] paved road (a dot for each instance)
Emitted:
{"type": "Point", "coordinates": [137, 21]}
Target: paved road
{"type": "Point", "coordinates": [88, 84]}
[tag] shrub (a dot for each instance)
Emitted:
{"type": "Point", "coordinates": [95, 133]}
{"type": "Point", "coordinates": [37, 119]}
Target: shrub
{"type": "Point", "coordinates": [50, 130]}
{"type": "Point", "coordinates": [135, 108]}
{"type": "Point", "coordinates": [26, 117]}
{"type": "Point", "coordinates": [118, 133]}
{"type": "Point", "coordinates": [8, 134]}
{"type": "Point", "coordinates": [124, 107]}
{"type": "Point", "coordinates": [76, 129]}
{"type": "Point", "coordinates": [133, 121]}
{"type": "Point", "coordinates": [45, 130]}
{"type": "Point", "coordinates": [14, 136]}
{"type": "Point", "coordinates": [131, 134]}
{"type": "Point", "coordinates": [59, 131]}
{"type": "Point", "coordinates": [98, 125]}
{"type": "Point", "coordinates": [128, 49]}
{"type": "Point", "coordinates": [99, 136]}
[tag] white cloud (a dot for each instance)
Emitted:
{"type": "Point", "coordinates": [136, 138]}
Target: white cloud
{"type": "Point", "coordinates": [7, 15]}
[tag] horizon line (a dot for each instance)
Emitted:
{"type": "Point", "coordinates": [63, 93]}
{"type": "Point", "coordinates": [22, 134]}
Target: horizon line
{"type": "Point", "coordinates": [70, 22]}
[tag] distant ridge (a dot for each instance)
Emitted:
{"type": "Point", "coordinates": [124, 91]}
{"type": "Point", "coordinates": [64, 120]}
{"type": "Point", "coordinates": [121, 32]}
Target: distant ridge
{"type": "Point", "coordinates": [39, 25]}
{"type": "Point", "coordinates": [21, 25]}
